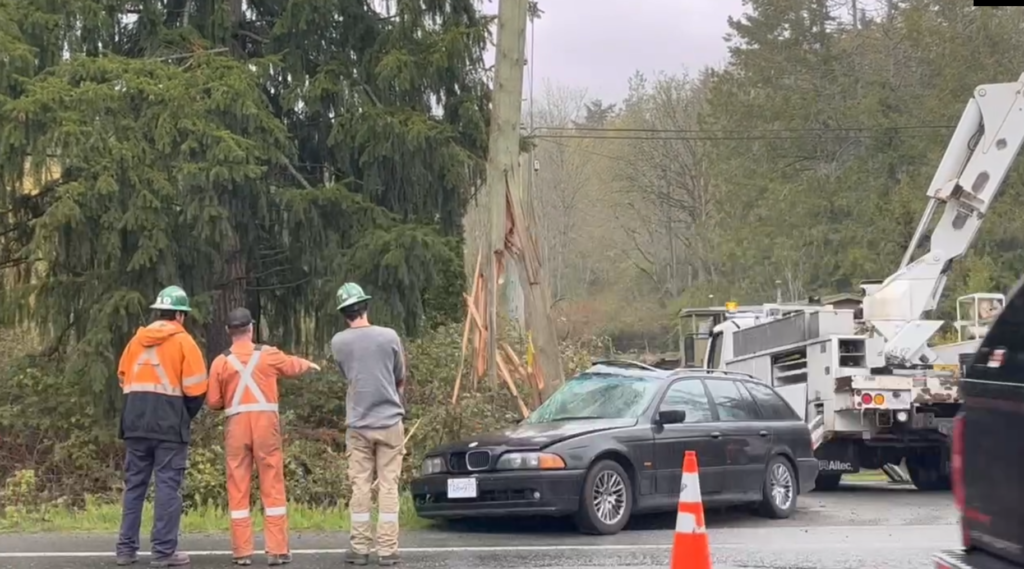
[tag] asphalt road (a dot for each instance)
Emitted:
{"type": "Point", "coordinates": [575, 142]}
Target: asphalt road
{"type": "Point", "coordinates": [876, 525]}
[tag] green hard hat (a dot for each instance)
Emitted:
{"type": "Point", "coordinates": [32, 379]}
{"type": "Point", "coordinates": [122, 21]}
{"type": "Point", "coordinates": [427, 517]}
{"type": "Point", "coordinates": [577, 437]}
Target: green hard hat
{"type": "Point", "coordinates": [172, 298]}
{"type": "Point", "coordinates": [349, 294]}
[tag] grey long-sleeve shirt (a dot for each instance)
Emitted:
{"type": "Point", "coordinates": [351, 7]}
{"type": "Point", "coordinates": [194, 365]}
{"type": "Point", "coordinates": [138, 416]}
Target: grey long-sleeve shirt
{"type": "Point", "coordinates": [370, 358]}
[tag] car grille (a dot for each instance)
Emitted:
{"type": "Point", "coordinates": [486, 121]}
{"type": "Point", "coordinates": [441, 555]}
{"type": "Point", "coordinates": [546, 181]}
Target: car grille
{"type": "Point", "coordinates": [516, 495]}
{"type": "Point", "coordinates": [473, 461]}
{"type": "Point", "coordinates": [478, 459]}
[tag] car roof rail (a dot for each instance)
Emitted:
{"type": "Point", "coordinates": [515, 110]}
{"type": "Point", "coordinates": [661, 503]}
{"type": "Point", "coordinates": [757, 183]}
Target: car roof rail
{"type": "Point", "coordinates": [624, 363]}
{"type": "Point", "coordinates": [725, 372]}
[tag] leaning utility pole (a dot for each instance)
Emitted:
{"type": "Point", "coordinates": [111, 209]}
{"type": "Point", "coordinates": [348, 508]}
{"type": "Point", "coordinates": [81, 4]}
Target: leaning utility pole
{"type": "Point", "coordinates": [502, 154]}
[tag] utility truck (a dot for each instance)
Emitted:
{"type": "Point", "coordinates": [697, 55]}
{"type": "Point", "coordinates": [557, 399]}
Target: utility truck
{"type": "Point", "coordinates": [869, 384]}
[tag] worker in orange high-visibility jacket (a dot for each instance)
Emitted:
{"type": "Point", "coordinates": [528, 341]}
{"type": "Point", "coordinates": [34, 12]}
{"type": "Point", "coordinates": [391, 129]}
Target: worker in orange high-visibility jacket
{"type": "Point", "coordinates": [243, 382]}
{"type": "Point", "coordinates": [163, 376]}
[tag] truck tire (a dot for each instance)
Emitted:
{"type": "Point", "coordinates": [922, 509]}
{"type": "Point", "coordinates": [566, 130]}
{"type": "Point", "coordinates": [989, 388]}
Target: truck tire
{"type": "Point", "coordinates": [828, 481]}
{"type": "Point", "coordinates": [926, 471]}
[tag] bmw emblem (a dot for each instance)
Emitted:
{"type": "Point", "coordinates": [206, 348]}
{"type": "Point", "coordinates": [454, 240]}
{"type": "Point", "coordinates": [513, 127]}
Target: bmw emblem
{"type": "Point", "coordinates": [473, 444]}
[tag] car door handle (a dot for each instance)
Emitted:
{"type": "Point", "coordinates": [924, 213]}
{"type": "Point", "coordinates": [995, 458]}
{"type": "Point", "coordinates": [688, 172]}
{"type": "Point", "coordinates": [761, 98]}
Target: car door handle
{"type": "Point", "coordinates": [763, 434]}
{"type": "Point", "coordinates": [716, 435]}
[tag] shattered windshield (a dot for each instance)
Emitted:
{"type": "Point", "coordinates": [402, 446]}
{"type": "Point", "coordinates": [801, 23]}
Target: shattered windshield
{"type": "Point", "coordinates": [597, 396]}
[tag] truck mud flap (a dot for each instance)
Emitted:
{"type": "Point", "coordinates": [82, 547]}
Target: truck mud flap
{"type": "Point", "coordinates": [837, 457]}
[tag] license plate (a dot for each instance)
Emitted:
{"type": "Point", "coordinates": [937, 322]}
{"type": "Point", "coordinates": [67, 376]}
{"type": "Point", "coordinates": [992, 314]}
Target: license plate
{"type": "Point", "coordinates": [946, 367]}
{"type": "Point", "coordinates": [462, 488]}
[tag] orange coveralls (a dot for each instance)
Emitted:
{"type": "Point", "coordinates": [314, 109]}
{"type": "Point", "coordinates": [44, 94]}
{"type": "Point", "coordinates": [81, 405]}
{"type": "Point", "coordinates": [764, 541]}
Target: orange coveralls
{"type": "Point", "coordinates": [243, 382]}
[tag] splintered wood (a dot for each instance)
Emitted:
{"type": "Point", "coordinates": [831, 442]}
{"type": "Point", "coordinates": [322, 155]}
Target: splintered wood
{"type": "Point", "coordinates": [474, 344]}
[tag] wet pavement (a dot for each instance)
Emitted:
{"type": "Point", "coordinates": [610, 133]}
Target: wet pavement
{"type": "Point", "coordinates": [859, 526]}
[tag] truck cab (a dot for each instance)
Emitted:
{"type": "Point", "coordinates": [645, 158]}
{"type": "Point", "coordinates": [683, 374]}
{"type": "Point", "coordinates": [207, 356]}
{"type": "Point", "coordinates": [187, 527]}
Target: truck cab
{"type": "Point", "coordinates": [988, 450]}
{"type": "Point", "coordinates": [695, 326]}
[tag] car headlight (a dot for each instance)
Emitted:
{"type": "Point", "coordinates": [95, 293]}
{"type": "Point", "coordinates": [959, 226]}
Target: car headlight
{"type": "Point", "coordinates": [431, 465]}
{"type": "Point", "coordinates": [530, 461]}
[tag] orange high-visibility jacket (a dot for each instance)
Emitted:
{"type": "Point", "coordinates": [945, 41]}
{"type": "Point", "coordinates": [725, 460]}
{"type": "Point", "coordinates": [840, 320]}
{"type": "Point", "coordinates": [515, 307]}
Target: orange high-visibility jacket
{"type": "Point", "coordinates": [163, 376]}
{"type": "Point", "coordinates": [227, 391]}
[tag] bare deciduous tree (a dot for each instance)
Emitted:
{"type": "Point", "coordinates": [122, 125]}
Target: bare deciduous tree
{"type": "Point", "coordinates": [667, 180]}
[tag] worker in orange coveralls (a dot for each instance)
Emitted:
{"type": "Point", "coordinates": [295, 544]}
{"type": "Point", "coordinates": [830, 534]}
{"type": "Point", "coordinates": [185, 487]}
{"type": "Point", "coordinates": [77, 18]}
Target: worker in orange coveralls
{"type": "Point", "coordinates": [243, 382]}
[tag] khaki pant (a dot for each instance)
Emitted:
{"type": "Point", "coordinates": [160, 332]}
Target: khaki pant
{"type": "Point", "coordinates": [370, 450]}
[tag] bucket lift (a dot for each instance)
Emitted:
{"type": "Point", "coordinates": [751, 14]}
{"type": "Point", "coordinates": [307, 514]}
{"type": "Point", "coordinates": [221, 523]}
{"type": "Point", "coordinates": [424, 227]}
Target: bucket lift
{"type": "Point", "coordinates": [975, 313]}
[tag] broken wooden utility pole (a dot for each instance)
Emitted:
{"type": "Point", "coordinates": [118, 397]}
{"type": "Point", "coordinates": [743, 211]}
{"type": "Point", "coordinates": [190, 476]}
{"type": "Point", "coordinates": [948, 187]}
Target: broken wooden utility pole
{"type": "Point", "coordinates": [520, 242]}
{"type": "Point", "coordinates": [502, 155]}
{"type": "Point", "coordinates": [543, 355]}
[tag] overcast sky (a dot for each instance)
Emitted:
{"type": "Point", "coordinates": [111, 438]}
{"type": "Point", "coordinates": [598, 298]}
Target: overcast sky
{"type": "Point", "coordinates": [599, 44]}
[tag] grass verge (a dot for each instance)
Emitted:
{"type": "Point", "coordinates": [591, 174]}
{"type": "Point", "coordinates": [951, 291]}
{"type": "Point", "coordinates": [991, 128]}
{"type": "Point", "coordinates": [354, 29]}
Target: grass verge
{"type": "Point", "coordinates": [106, 518]}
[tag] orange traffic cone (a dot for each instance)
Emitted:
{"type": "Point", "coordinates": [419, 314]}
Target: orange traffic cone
{"type": "Point", "coordinates": [690, 549]}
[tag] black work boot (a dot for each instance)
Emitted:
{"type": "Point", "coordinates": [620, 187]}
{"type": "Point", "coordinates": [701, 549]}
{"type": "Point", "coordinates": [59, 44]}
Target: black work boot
{"type": "Point", "coordinates": [389, 559]}
{"type": "Point", "coordinates": [274, 559]}
{"type": "Point", "coordinates": [353, 558]}
{"type": "Point", "coordinates": [125, 559]}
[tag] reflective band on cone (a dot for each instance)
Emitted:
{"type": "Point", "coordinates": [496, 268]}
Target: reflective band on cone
{"type": "Point", "coordinates": [690, 548]}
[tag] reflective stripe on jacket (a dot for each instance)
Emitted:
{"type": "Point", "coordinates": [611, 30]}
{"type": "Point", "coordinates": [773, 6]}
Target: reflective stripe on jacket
{"type": "Point", "coordinates": [244, 378]}
{"type": "Point", "coordinates": [162, 374]}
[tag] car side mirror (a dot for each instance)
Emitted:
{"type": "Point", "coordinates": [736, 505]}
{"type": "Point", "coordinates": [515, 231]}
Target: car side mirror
{"type": "Point", "coordinates": [671, 416]}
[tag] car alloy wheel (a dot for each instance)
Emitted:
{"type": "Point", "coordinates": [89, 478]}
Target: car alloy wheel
{"type": "Point", "coordinates": [780, 481]}
{"type": "Point", "coordinates": [609, 497]}
{"type": "Point", "coordinates": [606, 499]}
{"type": "Point", "coordinates": [779, 489]}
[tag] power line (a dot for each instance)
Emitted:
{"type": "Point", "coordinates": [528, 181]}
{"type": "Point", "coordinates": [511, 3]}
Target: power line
{"type": "Point", "coordinates": [709, 138]}
{"type": "Point", "coordinates": [587, 151]}
{"type": "Point", "coordinates": [743, 130]}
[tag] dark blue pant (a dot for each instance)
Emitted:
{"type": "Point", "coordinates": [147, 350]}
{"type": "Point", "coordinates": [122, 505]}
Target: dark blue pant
{"type": "Point", "coordinates": [146, 458]}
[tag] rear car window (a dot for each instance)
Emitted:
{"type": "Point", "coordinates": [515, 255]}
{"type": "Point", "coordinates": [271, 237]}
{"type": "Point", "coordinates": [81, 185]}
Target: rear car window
{"type": "Point", "coordinates": [773, 406]}
{"type": "Point", "coordinates": [733, 402]}
{"type": "Point", "coordinates": [689, 395]}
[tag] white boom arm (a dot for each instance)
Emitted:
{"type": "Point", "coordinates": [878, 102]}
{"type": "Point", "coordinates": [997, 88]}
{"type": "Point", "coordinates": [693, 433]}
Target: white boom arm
{"type": "Point", "coordinates": [983, 148]}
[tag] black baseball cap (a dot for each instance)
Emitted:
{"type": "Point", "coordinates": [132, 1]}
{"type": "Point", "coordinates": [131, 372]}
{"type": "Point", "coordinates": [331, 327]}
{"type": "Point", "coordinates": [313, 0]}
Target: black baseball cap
{"type": "Point", "coordinates": [239, 318]}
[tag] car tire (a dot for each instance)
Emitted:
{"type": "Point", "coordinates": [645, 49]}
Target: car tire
{"type": "Point", "coordinates": [606, 499]}
{"type": "Point", "coordinates": [779, 489]}
{"type": "Point", "coordinates": [828, 481]}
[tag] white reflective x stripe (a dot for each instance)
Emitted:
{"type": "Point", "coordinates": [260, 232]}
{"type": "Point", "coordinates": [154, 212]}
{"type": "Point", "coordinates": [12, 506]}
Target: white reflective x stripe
{"type": "Point", "coordinates": [239, 514]}
{"type": "Point", "coordinates": [388, 518]}
{"type": "Point", "coordinates": [246, 380]}
{"type": "Point", "coordinates": [150, 358]}
{"type": "Point", "coordinates": [278, 511]}
{"type": "Point", "coordinates": [360, 518]}
{"type": "Point", "coordinates": [249, 407]}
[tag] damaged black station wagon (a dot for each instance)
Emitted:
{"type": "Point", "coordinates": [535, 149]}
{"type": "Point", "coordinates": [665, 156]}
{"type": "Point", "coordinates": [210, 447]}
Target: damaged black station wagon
{"type": "Point", "coordinates": [610, 444]}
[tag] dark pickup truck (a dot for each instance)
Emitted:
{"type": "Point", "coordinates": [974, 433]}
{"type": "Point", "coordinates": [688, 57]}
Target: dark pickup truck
{"type": "Point", "coordinates": [988, 449]}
